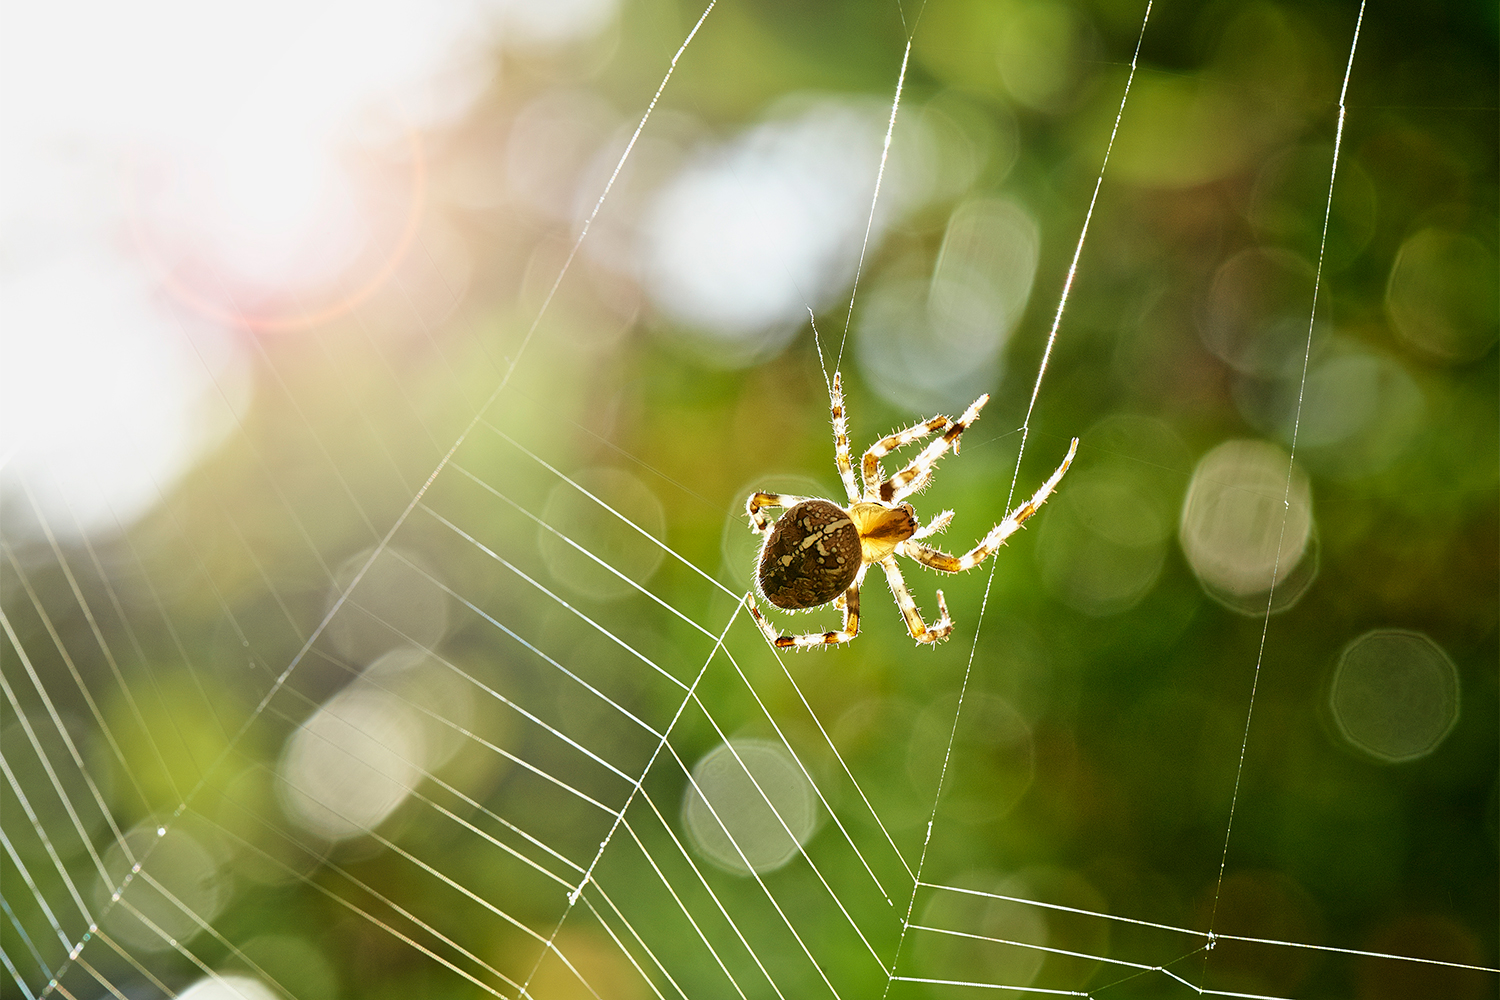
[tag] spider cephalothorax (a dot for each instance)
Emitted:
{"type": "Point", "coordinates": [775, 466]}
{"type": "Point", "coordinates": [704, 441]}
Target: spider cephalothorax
{"type": "Point", "coordinates": [818, 552]}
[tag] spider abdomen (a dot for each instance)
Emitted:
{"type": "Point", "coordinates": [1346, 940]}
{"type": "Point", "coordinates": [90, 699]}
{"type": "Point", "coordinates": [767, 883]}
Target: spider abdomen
{"type": "Point", "coordinates": [811, 556]}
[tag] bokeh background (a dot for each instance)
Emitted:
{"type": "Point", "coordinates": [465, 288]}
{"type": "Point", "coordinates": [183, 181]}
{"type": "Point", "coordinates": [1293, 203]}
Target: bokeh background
{"type": "Point", "coordinates": [264, 266]}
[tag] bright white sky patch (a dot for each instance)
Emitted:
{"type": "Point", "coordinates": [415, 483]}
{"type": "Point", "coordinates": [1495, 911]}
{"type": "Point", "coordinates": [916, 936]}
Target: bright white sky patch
{"type": "Point", "coordinates": [102, 396]}
{"type": "Point", "coordinates": [752, 233]}
{"type": "Point", "coordinates": [217, 137]}
{"type": "Point", "coordinates": [549, 22]}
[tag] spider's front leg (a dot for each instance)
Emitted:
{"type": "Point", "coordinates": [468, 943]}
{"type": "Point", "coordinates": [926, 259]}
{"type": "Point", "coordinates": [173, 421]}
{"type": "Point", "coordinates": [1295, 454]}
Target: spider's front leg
{"type": "Point", "coordinates": [919, 473]}
{"type": "Point", "coordinates": [870, 469]}
{"type": "Point", "coordinates": [934, 526]}
{"type": "Point", "coordinates": [841, 437]}
{"type": "Point", "coordinates": [848, 600]}
{"type": "Point", "coordinates": [914, 624]}
{"type": "Point", "coordinates": [945, 563]}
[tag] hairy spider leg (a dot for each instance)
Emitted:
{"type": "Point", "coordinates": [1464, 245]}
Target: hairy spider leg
{"type": "Point", "coordinates": [945, 563]}
{"type": "Point", "coordinates": [759, 501]}
{"type": "Point", "coordinates": [919, 473]}
{"type": "Point", "coordinates": [935, 525]}
{"type": "Point", "coordinates": [871, 471]}
{"type": "Point", "coordinates": [841, 437]}
{"type": "Point", "coordinates": [848, 601]}
{"type": "Point", "coordinates": [914, 624]}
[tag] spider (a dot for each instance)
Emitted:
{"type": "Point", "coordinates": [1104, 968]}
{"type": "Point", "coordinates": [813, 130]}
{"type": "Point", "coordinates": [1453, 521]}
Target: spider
{"type": "Point", "coordinates": [818, 551]}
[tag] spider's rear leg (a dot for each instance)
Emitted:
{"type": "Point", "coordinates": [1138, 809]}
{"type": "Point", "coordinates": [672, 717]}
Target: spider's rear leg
{"type": "Point", "coordinates": [848, 601]}
{"type": "Point", "coordinates": [919, 629]}
{"type": "Point", "coordinates": [759, 501]}
{"type": "Point", "coordinates": [945, 563]}
{"type": "Point", "coordinates": [919, 473]}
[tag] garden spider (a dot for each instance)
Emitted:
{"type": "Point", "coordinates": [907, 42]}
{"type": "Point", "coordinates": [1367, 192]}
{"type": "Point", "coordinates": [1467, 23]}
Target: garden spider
{"type": "Point", "coordinates": [818, 552]}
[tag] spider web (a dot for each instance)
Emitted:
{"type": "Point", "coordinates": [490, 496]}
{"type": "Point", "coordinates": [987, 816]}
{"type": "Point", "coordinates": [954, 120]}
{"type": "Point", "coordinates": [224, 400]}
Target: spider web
{"type": "Point", "coordinates": [542, 845]}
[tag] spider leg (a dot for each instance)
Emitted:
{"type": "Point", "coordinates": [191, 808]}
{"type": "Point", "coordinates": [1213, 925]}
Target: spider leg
{"type": "Point", "coordinates": [935, 525]}
{"type": "Point", "coordinates": [871, 471]}
{"type": "Point", "coordinates": [914, 624]}
{"type": "Point", "coordinates": [945, 563]}
{"type": "Point", "coordinates": [758, 501]}
{"type": "Point", "coordinates": [841, 437]}
{"type": "Point", "coordinates": [919, 473]}
{"type": "Point", "coordinates": [848, 601]}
